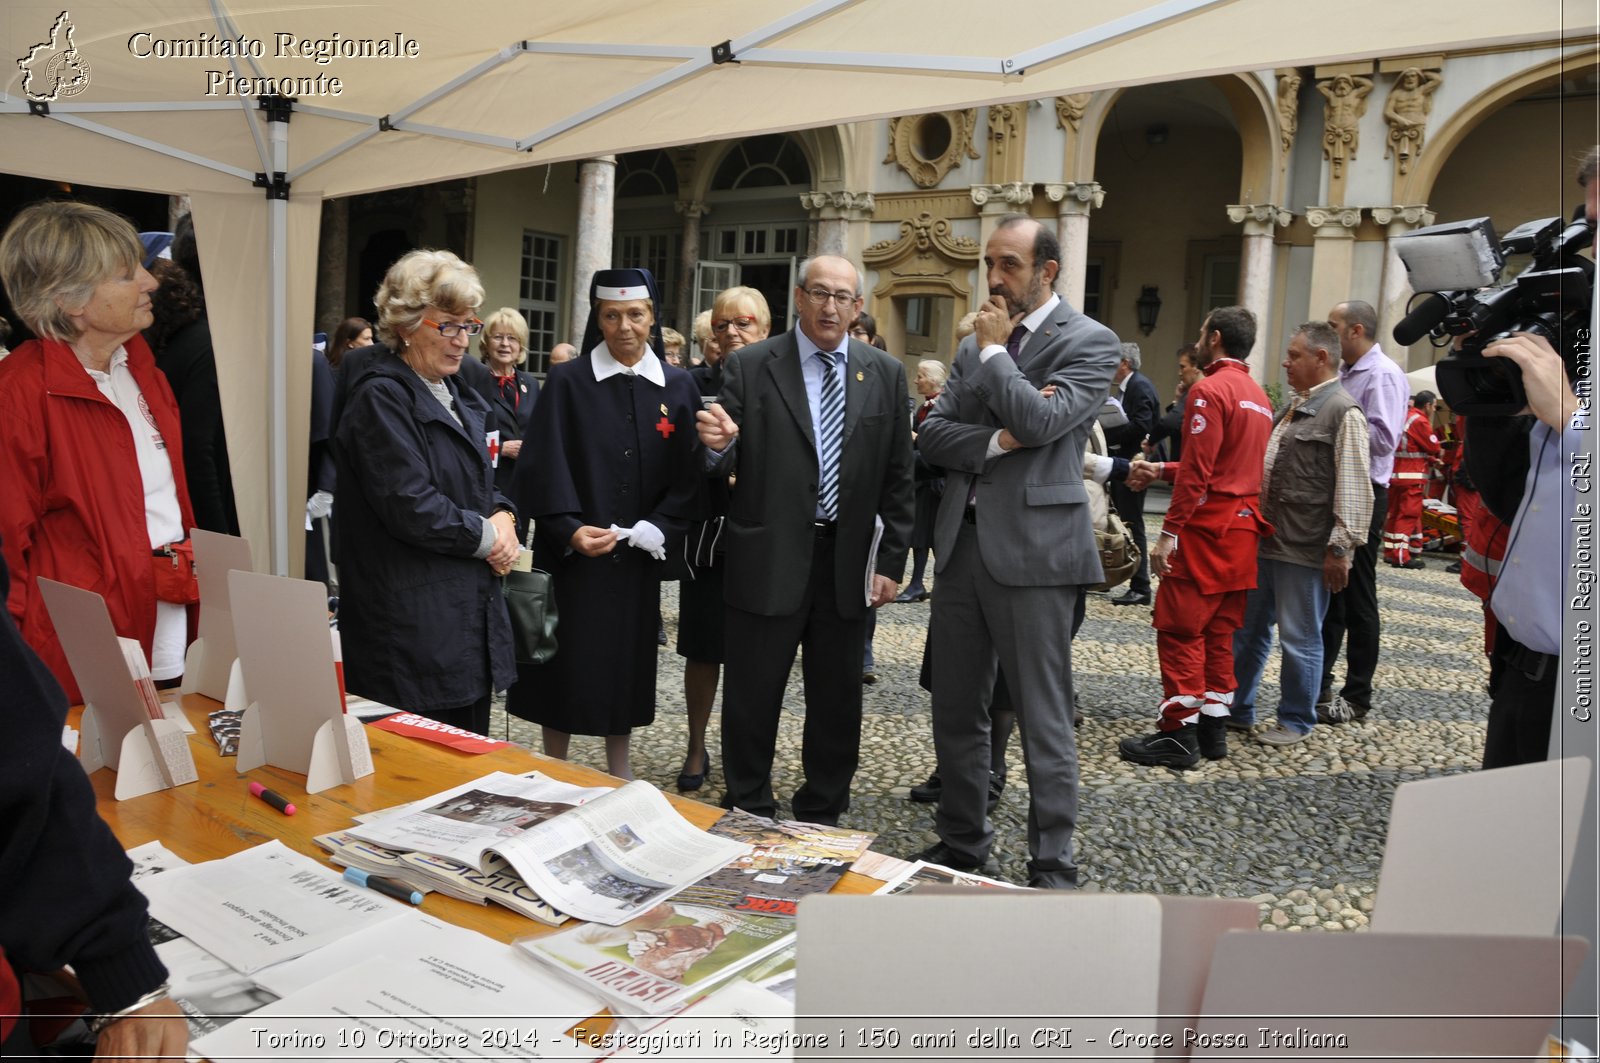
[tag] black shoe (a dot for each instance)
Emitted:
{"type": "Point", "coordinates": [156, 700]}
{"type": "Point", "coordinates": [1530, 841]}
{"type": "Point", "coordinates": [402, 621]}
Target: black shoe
{"type": "Point", "coordinates": [941, 854]}
{"type": "Point", "coordinates": [869, 678]}
{"type": "Point", "coordinates": [1165, 749]}
{"type": "Point", "coordinates": [661, 635]}
{"type": "Point", "coordinates": [1415, 562]}
{"type": "Point", "coordinates": [1053, 880]}
{"type": "Point", "coordinates": [1077, 710]}
{"type": "Point", "coordinates": [1212, 736]}
{"type": "Point", "coordinates": [912, 593]}
{"type": "Point", "coordinates": [1454, 568]}
{"type": "Point", "coordinates": [928, 793]}
{"type": "Point", "coordinates": [688, 782]}
{"type": "Point", "coordinates": [1131, 597]}
{"type": "Point", "coordinates": [997, 786]}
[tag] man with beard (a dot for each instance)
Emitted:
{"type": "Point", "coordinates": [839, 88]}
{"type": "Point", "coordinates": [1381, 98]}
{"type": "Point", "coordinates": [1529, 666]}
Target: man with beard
{"type": "Point", "coordinates": [1014, 547]}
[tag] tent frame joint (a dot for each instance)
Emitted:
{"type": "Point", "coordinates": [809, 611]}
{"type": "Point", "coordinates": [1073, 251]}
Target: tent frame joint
{"type": "Point", "coordinates": [723, 53]}
{"type": "Point", "coordinates": [278, 108]}
{"type": "Point", "coordinates": [384, 124]}
{"type": "Point", "coordinates": [276, 184]}
{"type": "Point", "coordinates": [39, 107]}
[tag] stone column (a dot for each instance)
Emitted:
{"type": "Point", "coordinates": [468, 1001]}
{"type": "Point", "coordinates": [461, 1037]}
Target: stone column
{"type": "Point", "coordinates": [683, 298]}
{"type": "Point", "coordinates": [995, 201]}
{"type": "Point", "coordinates": [1074, 199]}
{"type": "Point", "coordinates": [597, 188]}
{"type": "Point", "coordinates": [1397, 221]}
{"type": "Point", "coordinates": [832, 214]}
{"type": "Point", "coordinates": [1255, 273]}
{"type": "Point", "coordinates": [1332, 256]}
{"type": "Point", "coordinates": [333, 265]}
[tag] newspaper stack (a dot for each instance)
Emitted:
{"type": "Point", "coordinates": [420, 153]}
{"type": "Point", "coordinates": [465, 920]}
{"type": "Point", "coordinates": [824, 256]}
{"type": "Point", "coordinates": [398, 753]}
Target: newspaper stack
{"type": "Point", "coordinates": [346, 850]}
{"type": "Point", "coordinates": [497, 882]}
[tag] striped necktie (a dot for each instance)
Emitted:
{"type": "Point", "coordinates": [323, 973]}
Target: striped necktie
{"type": "Point", "coordinates": [831, 424]}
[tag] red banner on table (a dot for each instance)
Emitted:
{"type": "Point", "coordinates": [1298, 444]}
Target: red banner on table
{"type": "Point", "coordinates": [413, 726]}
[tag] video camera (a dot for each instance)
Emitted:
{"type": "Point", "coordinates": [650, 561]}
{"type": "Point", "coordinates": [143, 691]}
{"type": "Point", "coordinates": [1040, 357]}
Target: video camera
{"type": "Point", "coordinates": [1455, 268]}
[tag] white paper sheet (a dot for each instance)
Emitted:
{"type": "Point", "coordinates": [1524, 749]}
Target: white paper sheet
{"type": "Point", "coordinates": [472, 998]}
{"type": "Point", "coordinates": [263, 906]}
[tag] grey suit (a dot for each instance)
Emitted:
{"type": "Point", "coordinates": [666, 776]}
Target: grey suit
{"type": "Point", "coordinates": [1010, 571]}
{"type": "Point", "coordinates": [789, 582]}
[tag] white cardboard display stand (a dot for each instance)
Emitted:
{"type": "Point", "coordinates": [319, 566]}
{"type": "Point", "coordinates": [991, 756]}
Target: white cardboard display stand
{"type": "Point", "coordinates": [117, 732]}
{"type": "Point", "coordinates": [294, 719]}
{"type": "Point", "coordinates": [1490, 850]}
{"type": "Point", "coordinates": [1384, 996]}
{"type": "Point", "coordinates": [212, 664]}
{"type": "Point", "coordinates": [996, 964]}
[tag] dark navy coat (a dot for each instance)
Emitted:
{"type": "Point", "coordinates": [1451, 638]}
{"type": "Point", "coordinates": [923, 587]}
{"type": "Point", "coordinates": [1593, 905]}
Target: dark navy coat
{"type": "Point", "coordinates": [611, 451]}
{"type": "Point", "coordinates": [511, 415]}
{"type": "Point", "coordinates": [422, 621]}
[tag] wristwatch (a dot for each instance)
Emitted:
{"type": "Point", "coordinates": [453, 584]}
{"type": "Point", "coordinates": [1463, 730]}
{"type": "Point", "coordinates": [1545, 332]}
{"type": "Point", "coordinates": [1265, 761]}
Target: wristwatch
{"type": "Point", "coordinates": [1337, 551]}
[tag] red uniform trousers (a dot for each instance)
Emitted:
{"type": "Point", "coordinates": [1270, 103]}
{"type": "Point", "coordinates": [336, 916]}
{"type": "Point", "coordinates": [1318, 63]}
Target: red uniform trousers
{"type": "Point", "coordinates": [1402, 524]}
{"type": "Point", "coordinates": [1200, 604]}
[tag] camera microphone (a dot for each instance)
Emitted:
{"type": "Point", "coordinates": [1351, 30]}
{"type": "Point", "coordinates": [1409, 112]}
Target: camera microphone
{"type": "Point", "coordinates": [1421, 320]}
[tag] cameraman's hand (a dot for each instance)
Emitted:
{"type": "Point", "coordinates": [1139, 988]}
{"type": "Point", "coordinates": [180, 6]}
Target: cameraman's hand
{"type": "Point", "coordinates": [1544, 377]}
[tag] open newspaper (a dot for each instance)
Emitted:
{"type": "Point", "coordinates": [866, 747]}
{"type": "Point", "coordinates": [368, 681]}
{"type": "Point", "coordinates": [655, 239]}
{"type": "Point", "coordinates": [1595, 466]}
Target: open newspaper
{"type": "Point", "coordinates": [922, 873]}
{"type": "Point", "coordinates": [788, 861]}
{"type": "Point", "coordinates": [601, 855]}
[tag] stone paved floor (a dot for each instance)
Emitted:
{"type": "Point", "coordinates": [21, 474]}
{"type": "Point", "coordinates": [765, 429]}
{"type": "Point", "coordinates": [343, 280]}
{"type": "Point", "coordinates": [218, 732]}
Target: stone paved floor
{"type": "Point", "coordinates": [1300, 830]}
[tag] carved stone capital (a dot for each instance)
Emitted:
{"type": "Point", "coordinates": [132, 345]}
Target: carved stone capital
{"type": "Point", "coordinates": [691, 208]}
{"type": "Point", "coordinates": [840, 202]}
{"type": "Point", "coordinates": [1015, 193]}
{"type": "Point", "coordinates": [1069, 110]}
{"type": "Point", "coordinates": [1265, 213]}
{"type": "Point", "coordinates": [1409, 216]}
{"type": "Point", "coordinates": [1333, 217]}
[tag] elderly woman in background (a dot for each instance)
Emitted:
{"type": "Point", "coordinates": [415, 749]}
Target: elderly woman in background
{"type": "Point", "coordinates": [739, 316]}
{"type": "Point", "coordinates": [510, 392]}
{"type": "Point", "coordinates": [931, 377]}
{"type": "Point", "coordinates": [91, 450]}
{"type": "Point", "coordinates": [423, 533]}
{"type": "Point", "coordinates": [617, 483]}
{"type": "Point", "coordinates": [352, 333]}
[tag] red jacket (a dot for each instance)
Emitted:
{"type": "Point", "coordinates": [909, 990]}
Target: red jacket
{"type": "Point", "coordinates": [71, 498]}
{"type": "Point", "coordinates": [1418, 448]}
{"type": "Point", "coordinates": [1217, 486]}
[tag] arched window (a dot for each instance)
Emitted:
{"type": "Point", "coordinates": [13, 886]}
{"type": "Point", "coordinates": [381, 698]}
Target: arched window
{"type": "Point", "coordinates": [646, 173]}
{"type": "Point", "coordinates": [770, 161]}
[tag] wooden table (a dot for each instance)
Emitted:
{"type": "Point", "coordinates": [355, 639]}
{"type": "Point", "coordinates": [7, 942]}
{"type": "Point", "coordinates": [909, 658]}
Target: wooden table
{"type": "Point", "coordinates": [217, 816]}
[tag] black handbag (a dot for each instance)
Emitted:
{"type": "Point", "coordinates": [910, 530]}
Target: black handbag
{"type": "Point", "coordinates": [531, 600]}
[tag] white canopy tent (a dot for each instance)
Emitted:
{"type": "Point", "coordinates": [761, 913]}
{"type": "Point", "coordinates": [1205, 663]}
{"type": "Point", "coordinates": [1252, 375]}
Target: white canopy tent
{"type": "Point", "coordinates": [143, 94]}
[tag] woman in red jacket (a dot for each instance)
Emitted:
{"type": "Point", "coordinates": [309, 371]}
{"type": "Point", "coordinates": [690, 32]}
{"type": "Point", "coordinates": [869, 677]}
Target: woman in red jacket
{"type": "Point", "coordinates": [91, 456]}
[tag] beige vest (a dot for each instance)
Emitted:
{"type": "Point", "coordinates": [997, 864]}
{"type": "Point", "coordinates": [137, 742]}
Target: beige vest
{"type": "Point", "coordinates": [1299, 499]}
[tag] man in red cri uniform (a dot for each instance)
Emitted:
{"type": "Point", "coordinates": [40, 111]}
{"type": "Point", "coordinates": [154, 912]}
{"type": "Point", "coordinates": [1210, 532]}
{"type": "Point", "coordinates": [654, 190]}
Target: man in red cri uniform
{"type": "Point", "coordinates": [1418, 450]}
{"type": "Point", "coordinates": [1206, 556]}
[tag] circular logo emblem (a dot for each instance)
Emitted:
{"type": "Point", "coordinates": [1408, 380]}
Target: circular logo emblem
{"type": "Point", "coordinates": [1197, 424]}
{"type": "Point", "coordinates": [67, 74]}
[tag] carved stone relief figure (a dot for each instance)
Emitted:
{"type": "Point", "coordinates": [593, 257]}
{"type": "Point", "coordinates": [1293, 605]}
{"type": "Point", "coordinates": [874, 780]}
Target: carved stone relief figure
{"type": "Point", "coordinates": [1341, 133]}
{"type": "Point", "coordinates": [1288, 107]}
{"type": "Point", "coordinates": [1410, 101]}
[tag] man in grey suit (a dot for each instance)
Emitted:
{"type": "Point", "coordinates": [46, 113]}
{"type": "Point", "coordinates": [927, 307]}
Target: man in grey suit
{"type": "Point", "coordinates": [813, 426]}
{"type": "Point", "coordinates": [1014, 546]}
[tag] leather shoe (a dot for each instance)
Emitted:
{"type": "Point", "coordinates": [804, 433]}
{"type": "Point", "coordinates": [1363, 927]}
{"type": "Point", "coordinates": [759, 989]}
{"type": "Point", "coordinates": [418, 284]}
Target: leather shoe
{"type": "Point", "coordinates": [1053, 880]}
{"type": "Point", "coordinates": [911, 594]}
{"type": "Point", "coordinates": [1165, 749]}
{"type": "Point", "coordinates": [868, 678]}
{"type": "Point", "coordinates": [1131, 597]}
{"type": "Point", "coordinates": [928, 793]}
{"type": "Point", "coordinates": [941, 854]}
{"type": "Point", "coordinates": [687, 782]}
{"type": "Point", "coordinates": [1212, 736]}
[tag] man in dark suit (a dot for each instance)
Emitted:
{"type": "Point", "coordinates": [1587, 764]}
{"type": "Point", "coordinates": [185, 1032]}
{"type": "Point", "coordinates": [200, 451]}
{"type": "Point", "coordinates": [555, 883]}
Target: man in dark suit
{"type": "Point", "coordinates": [1140, 407]}
{"type": "Point", "coordinates": [1015, 545]}
{"type": "Point", "coordinates": [813, 425]}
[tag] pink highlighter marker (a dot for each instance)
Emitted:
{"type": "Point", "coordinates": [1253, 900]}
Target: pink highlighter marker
{"type": "Point", "coordinates": [277, 801]}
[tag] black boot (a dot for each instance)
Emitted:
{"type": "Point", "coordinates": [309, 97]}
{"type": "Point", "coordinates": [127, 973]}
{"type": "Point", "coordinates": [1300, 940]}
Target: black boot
{"type": "Point", "coordinates": [1212, 736]}
{"type": "Point", "coordinates": [1165, 749]}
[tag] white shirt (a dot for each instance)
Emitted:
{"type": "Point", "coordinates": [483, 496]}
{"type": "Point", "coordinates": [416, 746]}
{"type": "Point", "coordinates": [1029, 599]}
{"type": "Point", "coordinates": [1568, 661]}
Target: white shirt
{"type": "Point", "coordinates": [162, 515]}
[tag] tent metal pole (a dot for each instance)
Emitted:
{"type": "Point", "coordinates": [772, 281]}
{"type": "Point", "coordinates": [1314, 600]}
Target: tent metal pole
{"type": "Point", "coordinates": [226, 26]}
{"type": "Point", "coordinates": [278, 360]}
{"type": "Point", "coordinates": [1125, 26]}
{"type": "Point", "coordinates": [151, 145]}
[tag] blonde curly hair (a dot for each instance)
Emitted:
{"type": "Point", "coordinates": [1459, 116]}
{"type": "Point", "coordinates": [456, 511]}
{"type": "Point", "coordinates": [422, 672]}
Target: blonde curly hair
{"type": "Point", "coordinates": [421, 279]}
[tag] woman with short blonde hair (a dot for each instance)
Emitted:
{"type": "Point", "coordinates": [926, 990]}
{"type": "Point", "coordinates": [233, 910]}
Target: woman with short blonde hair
{"type": "Point", "coordinates": [421, 279]}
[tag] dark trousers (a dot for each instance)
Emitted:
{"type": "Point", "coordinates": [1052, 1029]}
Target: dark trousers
{"type": "Point", "coordinates": [1130, 507]}
{"type": "Point", "coordinates": [759, 654]}
{"type": "Point", "coordinates": [474, 717]}
{"type": "Point", "coordinates": [1522, 692]}
{"type": "Point", "coordinates": [1354, 610]}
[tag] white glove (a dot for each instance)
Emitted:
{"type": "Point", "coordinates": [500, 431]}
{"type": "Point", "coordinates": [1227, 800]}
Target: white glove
{"type": "Point", "coordinates": [646, 537]}
{"type": "Point", "coordinates": [318, 506]}
{"type": "Point", "coordinates": [1097, 467]}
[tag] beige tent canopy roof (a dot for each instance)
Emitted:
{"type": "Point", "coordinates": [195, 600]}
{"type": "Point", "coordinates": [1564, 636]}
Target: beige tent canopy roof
{"type": "Point", "coordinates": [161, 95]}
